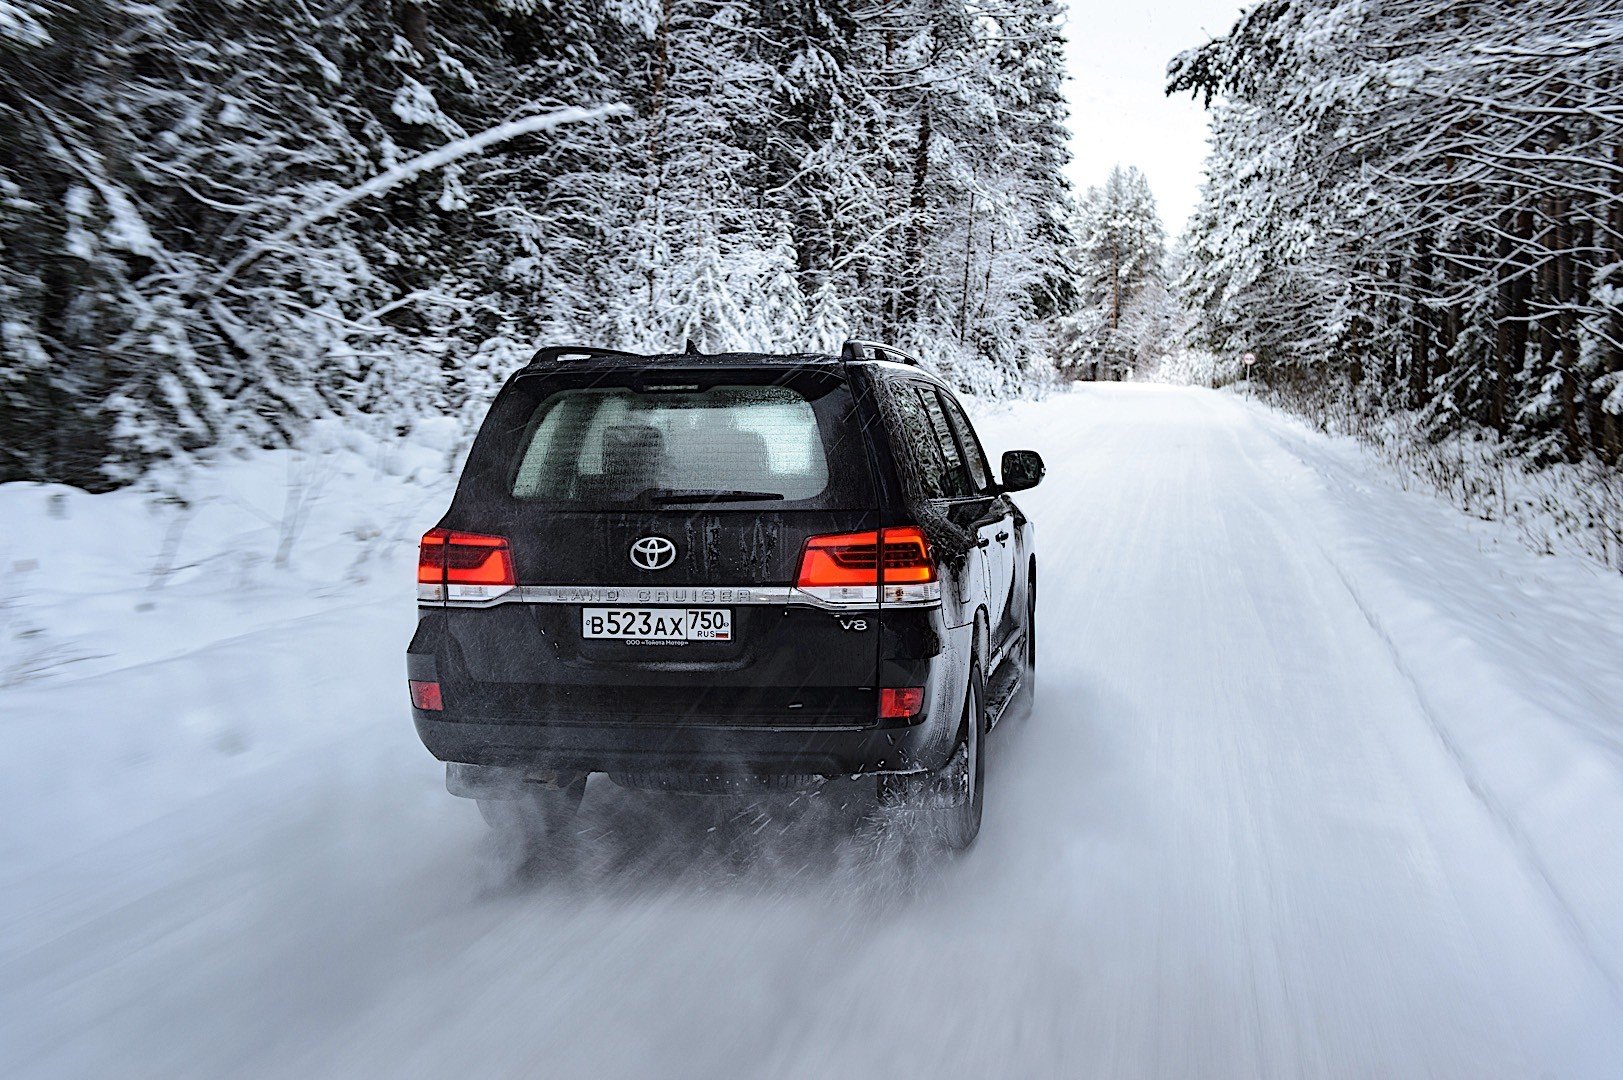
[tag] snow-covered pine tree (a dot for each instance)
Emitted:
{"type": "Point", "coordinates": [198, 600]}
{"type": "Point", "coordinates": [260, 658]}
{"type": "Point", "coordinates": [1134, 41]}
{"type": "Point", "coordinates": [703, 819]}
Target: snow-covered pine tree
{"type": "Point", "coordinates": [1420, 205]}
{"type": "Point", "coordinates": [215, 225]}
{"type": "Point", "coordinates": [1120, 254]}
{"type": "Point", "coordinates": [154, 281]}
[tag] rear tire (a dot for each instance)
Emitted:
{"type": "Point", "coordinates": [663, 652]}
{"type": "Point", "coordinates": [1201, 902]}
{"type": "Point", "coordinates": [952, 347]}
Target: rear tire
{"type": "Point", "coordinates": [950, 799]}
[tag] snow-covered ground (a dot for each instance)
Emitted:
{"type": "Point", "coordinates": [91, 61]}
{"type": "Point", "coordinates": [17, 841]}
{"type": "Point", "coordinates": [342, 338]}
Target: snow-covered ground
{"type": "Point", "coordinates": [1322, 778]}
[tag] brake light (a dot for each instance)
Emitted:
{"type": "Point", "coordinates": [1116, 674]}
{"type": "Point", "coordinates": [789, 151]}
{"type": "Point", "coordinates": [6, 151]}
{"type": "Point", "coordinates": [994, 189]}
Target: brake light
{"type": "Point", "coordinates": [426, 696]}
{"type": "Point", "coordinates": [851, 568]}
{"type": "Point", "coordinates": [900, 702]}
{"type": "Point", "coordinates": [839, 559]}
{"type": "Point", "coordinates": [464, 566]}
{"type": "Point", "coordinates": [907, 556]}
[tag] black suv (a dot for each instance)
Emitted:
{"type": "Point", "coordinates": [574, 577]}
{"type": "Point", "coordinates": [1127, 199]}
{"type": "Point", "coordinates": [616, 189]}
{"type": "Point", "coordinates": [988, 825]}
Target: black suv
{"type": "Point", "coordinates": [711, 573]}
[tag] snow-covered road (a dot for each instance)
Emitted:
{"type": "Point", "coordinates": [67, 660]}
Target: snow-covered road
{"type": "Point", "coordinates": [1322, 779]}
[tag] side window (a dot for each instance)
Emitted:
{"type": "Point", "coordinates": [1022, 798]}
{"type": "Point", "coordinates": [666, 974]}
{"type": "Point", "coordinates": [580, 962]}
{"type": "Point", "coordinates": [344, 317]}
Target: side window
{"type": "Point", "coordinates": [980, 475]}
{"type": "Point", "coordinates": [916, 442]}
{"type": "Point", "coordinates": [954, 475]}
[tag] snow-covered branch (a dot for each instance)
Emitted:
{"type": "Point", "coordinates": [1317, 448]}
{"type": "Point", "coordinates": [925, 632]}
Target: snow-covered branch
{"type": "Point", "coordinates": [405, 172]}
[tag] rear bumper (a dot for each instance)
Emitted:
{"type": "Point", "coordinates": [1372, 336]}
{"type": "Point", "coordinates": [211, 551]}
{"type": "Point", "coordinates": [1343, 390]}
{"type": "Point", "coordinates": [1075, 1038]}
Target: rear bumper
{"type": "Point", "coordinates": [681, 748]}
{"type": "Point", "coordinates": [721, 722]}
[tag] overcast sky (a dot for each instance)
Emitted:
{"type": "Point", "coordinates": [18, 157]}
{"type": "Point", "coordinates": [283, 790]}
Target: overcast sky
{"type": "Point", "coordinates": [1117, 53]}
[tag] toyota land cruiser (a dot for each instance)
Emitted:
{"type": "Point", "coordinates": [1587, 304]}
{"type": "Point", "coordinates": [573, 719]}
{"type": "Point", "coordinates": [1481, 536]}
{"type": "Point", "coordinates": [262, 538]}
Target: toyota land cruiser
{"type": "Point", "coordinates": [704, 573]}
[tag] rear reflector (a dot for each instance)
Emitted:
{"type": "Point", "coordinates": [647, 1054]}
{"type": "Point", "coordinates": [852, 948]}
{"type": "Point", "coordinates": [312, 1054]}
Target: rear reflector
{"type": "Point", "coordinates": [426, 696]}
{"type": "Point", "coordinates": [900, 702]}
{"type": "Point", "coordinates": [463, 566]}
{"type": "Point", "coordinates": [851, 567]}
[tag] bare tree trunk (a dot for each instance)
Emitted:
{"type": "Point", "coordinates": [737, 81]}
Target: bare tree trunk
{"type": "Point", "coordinates": [414, 28]}
{"type": "Point", "coordinates": [1521, 295]}
{"type": "Point", "coordinates": [656, 136]}
{"type": "Point", "coordinates": [1566, 328]}
{"type": "Point", "coordinates": [1611, 425]}
{"type": "Point", "coordinates": [1115, 286]}
{"type": "Point", "coordinates": [969, 236]}
{"type": "Point", "coordinates": [1504, 327]}
{"type": "Point", "coordinates": [916, 206]}
{"type": "Point", "coordinates": [1420, 333]}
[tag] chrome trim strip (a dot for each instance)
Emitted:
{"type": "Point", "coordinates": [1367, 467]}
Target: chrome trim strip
{"type": "Point", "coordinates": [713, 595]}
{"type": "Point", "coordinates": [672, 595]}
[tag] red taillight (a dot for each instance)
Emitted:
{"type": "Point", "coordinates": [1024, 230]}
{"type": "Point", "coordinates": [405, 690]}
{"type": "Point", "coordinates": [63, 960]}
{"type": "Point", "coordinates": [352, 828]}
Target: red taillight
{"type": "Point", "coordinates": [907, 556]}
{"type": "Point", "coordinates": [426, 696]}
{"type": "Point", "coordinates": [839, 559]}
{"type": "Point", "coordinates": [847, 559]}
{"type": "Point", "coordinates": [458, 558]}
{"type": "Point", "coordinates": [900, 702]}
{"type": "Point", "coordinates": [464, 568]}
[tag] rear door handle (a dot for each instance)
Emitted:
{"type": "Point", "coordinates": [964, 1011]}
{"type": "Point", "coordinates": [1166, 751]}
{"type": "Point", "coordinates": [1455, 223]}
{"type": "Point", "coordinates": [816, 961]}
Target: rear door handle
{"type": "Point", "coordinates": [1002, 537]}
{"type": "Point", "coordinates": [982, 542]}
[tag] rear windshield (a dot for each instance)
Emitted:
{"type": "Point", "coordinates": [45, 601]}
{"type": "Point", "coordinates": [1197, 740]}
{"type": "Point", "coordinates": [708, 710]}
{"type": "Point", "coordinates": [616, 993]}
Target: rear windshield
{"type": "Point", "coordinates": [741, 444]}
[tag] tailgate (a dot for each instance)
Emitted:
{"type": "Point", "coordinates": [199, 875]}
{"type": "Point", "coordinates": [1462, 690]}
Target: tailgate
{"type": "Point", "coordinates": [655, 533]}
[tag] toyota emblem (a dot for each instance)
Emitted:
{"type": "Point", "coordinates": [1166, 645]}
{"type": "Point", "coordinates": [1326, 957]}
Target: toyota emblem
{"type": "Point", "coordinates": [653, 553]}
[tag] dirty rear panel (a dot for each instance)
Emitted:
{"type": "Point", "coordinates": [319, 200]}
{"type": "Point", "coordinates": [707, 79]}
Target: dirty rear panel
{"type": "Point", "coordinates": [732, 467]}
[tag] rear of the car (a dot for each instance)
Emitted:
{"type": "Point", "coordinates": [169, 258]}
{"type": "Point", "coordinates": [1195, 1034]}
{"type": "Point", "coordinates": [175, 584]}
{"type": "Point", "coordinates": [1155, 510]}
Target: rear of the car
{"type": "Point", "coordinates": [668, 570]}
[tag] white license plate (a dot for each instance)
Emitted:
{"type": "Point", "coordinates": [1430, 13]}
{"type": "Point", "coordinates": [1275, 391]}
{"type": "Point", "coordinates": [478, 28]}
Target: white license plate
{"type": "Point", "coordinates": [653, 624]}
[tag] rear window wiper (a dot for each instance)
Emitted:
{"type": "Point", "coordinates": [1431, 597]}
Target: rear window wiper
{"type": "Point", "coordinates": [707, 495]}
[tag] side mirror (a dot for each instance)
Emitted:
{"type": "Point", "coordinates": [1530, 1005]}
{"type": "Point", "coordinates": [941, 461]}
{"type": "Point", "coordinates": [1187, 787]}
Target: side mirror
{"type": "Point", "coordinates": [1022, 469]}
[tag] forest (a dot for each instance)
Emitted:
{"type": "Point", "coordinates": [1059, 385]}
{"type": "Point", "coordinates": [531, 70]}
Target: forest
{"type": "Point", "coordinates": [220, 219]}
{"type": "Point", "coordinates": [1419, 206]}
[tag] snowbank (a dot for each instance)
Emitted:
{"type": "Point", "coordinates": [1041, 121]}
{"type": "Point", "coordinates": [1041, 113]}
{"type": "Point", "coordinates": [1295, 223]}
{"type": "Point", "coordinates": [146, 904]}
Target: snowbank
{"type": "Point", "coordinates": [96, 582]}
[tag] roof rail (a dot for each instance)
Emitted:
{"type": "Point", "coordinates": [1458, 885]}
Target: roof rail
{"type": "Point", "coordinates": [554, 354]}
{"type": "Point", "coordinates": [856, 349]}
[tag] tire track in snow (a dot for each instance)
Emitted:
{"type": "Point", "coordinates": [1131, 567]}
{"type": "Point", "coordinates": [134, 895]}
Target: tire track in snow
{"type": "Point", "coordinates": [1516, 838]}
